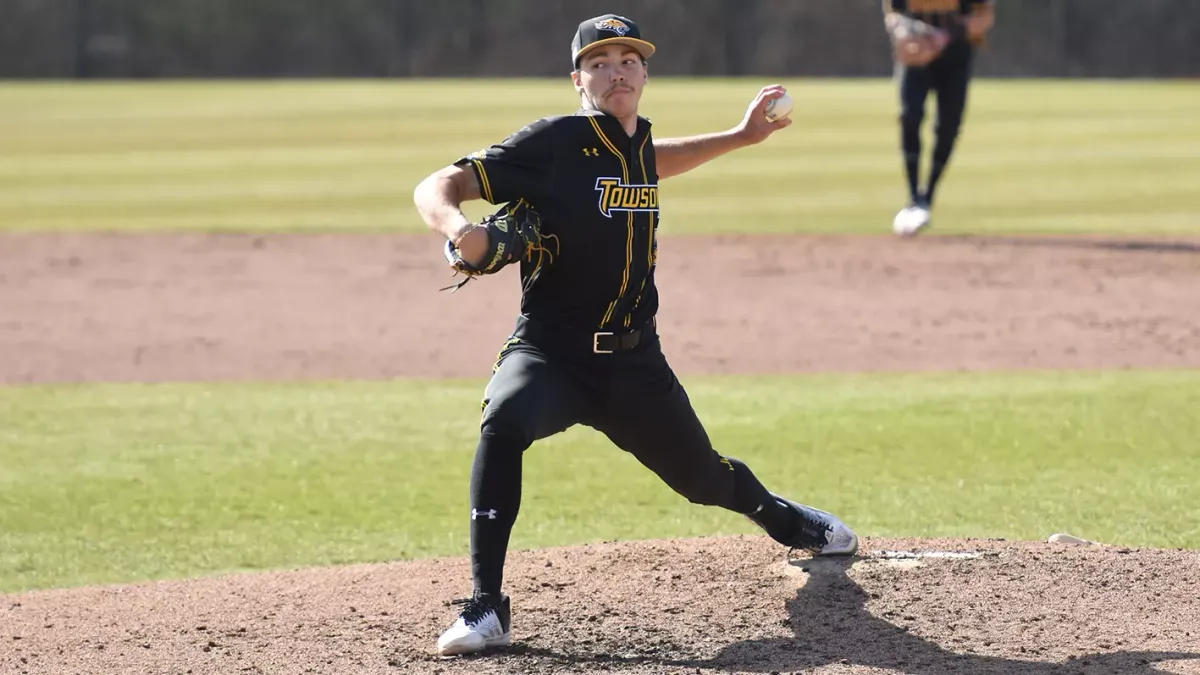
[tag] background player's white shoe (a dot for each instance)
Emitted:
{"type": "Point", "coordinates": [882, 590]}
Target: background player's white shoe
{"type": "Point", "coordinates": [911, 220]}
{"type": "Point", "coordinates": [481, 625]}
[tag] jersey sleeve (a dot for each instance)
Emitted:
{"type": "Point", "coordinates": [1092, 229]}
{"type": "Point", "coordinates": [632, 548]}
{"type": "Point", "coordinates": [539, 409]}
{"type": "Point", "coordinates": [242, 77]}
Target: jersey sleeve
{"type": "Point", "coordinates": [520, 166]}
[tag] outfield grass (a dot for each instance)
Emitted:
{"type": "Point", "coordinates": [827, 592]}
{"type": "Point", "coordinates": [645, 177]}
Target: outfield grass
{"type": "Point", "coordinates": [1039, 156]}
{"type": "Point", "coordinates": [110, 483]}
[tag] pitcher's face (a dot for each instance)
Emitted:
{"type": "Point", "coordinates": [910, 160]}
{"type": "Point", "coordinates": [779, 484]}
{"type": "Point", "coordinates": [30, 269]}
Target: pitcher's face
{"type": "Point", "coordinates": [610, 79]}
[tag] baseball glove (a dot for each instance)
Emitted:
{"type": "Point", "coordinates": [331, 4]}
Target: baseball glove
{"type": "Point", "coordinates": [915, 42]}
{"type": "Point", "coordinates": [514, 233]}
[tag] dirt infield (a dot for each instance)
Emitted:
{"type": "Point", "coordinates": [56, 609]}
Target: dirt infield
{"type": "Point", "coordinates": [158, 307]}
{"type": "Point", "coordinates": [227, 307]}
{"type": "Point", "coordinates": [697, 606]}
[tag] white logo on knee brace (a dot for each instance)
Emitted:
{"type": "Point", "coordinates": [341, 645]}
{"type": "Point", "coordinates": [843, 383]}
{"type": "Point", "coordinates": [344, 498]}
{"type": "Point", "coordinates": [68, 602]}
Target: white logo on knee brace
{"type": "Point", "coordinates": [490, 513]}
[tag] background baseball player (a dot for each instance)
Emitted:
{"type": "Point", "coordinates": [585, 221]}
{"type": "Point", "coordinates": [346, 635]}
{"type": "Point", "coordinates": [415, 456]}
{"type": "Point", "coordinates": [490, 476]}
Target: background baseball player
{"type": "Point", "coordinates": [935, 43]}
{"type": "Point", "coordinates": [580, 214]}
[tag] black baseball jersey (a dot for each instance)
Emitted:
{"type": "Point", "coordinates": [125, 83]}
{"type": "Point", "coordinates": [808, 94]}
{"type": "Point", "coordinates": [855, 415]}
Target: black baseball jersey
{"type": "Point", "coordinates": [596, 189]}
{"type": "Point", "coordinates": [948, 14]}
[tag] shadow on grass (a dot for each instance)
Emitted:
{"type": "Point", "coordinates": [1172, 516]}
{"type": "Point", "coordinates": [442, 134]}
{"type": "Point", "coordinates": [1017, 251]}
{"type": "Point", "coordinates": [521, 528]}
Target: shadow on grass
{"type": "Point", "coordinates": [1084, 243]}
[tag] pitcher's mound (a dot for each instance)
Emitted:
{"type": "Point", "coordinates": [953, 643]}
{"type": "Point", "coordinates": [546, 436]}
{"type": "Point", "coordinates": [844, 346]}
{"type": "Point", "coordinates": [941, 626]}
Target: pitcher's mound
{"type": "Point", "coordinates": [721, 605]}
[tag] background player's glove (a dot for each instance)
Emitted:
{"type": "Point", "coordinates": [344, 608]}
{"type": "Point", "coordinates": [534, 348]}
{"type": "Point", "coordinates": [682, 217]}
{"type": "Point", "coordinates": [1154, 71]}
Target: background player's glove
{"type": "Point", "coordinates": [514, 233]}
{"type": "Point", "coordinates": [915, 42]}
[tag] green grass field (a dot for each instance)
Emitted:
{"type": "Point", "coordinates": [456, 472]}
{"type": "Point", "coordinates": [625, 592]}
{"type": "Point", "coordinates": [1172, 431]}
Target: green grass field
{"type": "Point", "coordinates": [119, 483]}
{"type": "Point", "coordinates": [113, 483]}
{"type": "Point", "coordinates": [1042, 156]}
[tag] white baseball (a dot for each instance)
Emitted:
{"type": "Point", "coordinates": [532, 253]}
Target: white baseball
{"type": "Point", "coordinates": [779, 108]}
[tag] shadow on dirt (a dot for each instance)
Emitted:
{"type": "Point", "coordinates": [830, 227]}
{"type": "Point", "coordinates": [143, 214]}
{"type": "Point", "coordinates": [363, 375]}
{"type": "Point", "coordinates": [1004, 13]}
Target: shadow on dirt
{"type": "Point", "coordinates": [832, 626]}
{"type": "Point", "coordinates": [1151, 246]}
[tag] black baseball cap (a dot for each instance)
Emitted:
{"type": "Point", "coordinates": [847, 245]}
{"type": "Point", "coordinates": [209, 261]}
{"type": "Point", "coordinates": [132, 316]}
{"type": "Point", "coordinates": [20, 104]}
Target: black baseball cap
{"type": "Point", "coordinates": [609, 29]}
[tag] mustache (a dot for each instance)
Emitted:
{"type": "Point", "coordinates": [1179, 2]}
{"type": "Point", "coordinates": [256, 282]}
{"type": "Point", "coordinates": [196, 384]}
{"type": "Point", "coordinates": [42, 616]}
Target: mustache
{"type": "Point", "coordinates": [618, 87]}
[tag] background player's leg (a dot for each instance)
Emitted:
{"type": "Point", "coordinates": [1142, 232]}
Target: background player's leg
{"type": "Point", "coordinates": [951, 78]}
{"type": "Point", "coordinates": [914, 90]}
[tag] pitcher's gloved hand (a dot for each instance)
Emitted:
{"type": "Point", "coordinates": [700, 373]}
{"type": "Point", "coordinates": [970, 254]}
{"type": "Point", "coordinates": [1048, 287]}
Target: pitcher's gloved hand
{"type": "Point", "coordinates": [514, 233]}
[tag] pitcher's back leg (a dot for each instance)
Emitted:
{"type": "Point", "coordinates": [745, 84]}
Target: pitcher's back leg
{"type": "Point", "coordinates": [649, 414]}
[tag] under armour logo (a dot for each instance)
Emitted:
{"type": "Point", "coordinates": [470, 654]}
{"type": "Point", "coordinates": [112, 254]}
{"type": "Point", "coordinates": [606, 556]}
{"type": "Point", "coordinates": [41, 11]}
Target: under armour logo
{"type": "Point", "coordinates": [490, 513]}
{"type": "Point", "coordinates": [591, 152]}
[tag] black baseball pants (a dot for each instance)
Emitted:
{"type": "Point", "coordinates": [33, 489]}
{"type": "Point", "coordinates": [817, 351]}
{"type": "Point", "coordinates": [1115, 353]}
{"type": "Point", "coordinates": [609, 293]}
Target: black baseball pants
{"type": "Point", "coordinates": [544, 384]}
{"type": "Point", "coordinates": [949, 75]}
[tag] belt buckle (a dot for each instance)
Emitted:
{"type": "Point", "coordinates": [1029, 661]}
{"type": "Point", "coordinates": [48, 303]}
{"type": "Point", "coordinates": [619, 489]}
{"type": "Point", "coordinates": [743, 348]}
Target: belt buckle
{"type": "Point", "coordinates": [596, 343]}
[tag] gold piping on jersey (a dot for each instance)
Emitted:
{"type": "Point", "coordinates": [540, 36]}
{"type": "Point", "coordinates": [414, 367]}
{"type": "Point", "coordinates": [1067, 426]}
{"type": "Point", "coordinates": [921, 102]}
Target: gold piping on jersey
{"type": "Point", "coordinates": [649, 239]}
{"type": "Point", "coordinates": [484, 183]}
{"type": "Point", "coordinates": [653, 216]}
{"type": "Point", "coordinates": [628, 265]}
{"type": "Point", "coordinates": [628, 222]}
{"type": "Point", "coordinates": [611, 147]}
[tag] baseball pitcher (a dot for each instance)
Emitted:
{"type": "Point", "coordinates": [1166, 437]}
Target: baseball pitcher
{"type": "Point", "coordinates": [580, 213]}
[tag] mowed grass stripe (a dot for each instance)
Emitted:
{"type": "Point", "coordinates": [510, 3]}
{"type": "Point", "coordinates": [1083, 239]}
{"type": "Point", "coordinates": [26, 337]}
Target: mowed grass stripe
{"type": "Point", "coordinates": [108, 483]}
{"type": "Point", "coordinates": [1035, 156]}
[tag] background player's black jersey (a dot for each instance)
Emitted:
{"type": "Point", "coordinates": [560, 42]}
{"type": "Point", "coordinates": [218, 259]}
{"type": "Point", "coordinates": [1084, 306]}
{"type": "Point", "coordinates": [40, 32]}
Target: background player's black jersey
{"type": "Point", "coordinates": [596, 189]}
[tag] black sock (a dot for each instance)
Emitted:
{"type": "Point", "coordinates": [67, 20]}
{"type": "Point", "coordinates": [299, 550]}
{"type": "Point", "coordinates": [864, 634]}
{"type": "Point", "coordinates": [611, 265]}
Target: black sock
{"type": "Point", "coordinates": [912, 169]}
{"type": "Point", "coordinates": [910, 145]}
{"type": "Point", "coordinates": [912, 166]}
{"type": "Point", "coordinates": [495, 501]}
{"type": "Point", "coordinates": [942, 149]}
{"type": "Point", "coordinates": [778, 520]}
{"type": "Point", "coordinates": [760, 506]}
{"type": "Point", "coordinates": [935, 174]}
